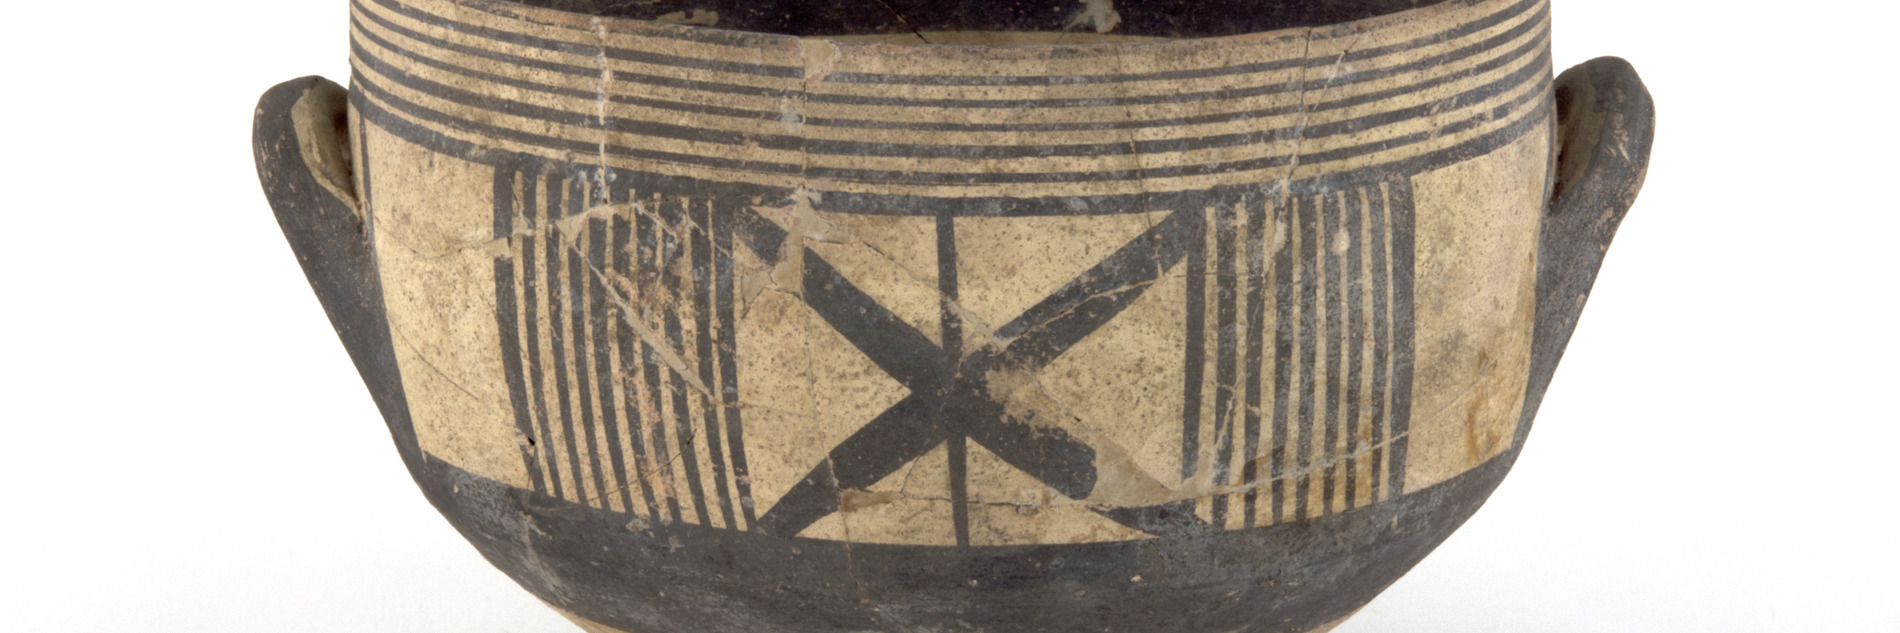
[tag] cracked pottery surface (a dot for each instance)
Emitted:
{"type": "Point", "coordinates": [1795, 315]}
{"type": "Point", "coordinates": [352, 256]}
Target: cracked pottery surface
{"type": "Point", "coordinates": [931, 325]}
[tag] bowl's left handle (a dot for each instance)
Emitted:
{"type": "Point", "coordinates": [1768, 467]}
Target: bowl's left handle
{"type": "Point", "coordinates": [300, 138]}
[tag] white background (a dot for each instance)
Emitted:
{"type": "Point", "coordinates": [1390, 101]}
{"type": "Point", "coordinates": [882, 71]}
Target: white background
{"type": "Point", "coordinates": [187, 448]}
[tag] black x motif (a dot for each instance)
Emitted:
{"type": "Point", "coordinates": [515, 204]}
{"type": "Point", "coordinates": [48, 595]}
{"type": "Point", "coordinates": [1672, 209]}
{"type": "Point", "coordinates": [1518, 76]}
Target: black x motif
{"type": "Point", "coordinates": [949, 396]}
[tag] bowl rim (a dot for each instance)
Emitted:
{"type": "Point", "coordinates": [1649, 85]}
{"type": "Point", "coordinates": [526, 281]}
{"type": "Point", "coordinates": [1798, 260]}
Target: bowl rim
{"type": "Point", "coordinates": [548, 17]}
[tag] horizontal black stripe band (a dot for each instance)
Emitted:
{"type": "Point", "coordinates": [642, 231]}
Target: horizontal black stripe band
{"type": "Point", "coordinates": [574, 93]}
{"type": "Point", "coordinates": [1474, 96]}
{"type": "Point", "coordinates": [571, 118]}
{"type": "Point", "coordinates": [578, 147]}
{"type": "Point", "coordinates": [1493, 19]}
{"type": "Point", "coordinates": [423, 136]}
{"type": "Point", "coordinates": [1488, 21]}
{"type": "Point", "coordinates": [966, 179]}
{"type": "Point", "coordinates": [756, 40]}
{"type": "Point", "coordinates": [715, 36]}
{"type": "Point", "coordinates": [622, 54]}
{"type": "Point", "coordinates": [907, 204]}
{"type": "Point", "coordinates": [1494, 63]}
{"type": "Point", "coordinates": [855, 148]}
{"type": "Point", "coordinates": [1340, 81]}
{"type": "Point", "coordinates": [830, 19]}
{"type": "Point", "coordinates": [1111, 204]}
{"type": "Point", "coordinates": [1219, 117]}
{"type": "Point", "coordinates": [845, 99]}
{"type": "Point", "coordinates": [570, 69]}
{"type": "Point", "coordinates": [1061, 80]}
{"type": "Point", "coordinates": [1267, 162]}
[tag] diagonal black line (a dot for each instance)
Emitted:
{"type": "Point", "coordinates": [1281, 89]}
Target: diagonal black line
{"type": "Point", "coordinates": [759, 234]}
{"type": "Point", "coordinates": [1052, 326]}
{"type": "Point", "coordinates": [900, 434]}
{"type": "Point", "coordinates": [1037, 447]}
{"type": "Point", "coordinates": [915, 425]}
{"type": "Point", "coordinates": [1044, 332]}
{"type": "Point", "coordinates": [1175, 518]}
{"type": "Point", "coordinates": [939, 406]}
{"type": "Point", "coordinates": [897, 348]}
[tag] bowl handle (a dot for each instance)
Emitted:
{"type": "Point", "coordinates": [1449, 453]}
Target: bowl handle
{"type": "Point", "coordinates": [1605, 123]}
{"type": "Point", "coordinates": [300, 139]}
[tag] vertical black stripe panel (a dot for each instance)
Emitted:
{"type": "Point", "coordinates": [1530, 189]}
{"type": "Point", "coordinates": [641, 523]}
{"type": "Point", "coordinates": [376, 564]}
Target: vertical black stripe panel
{"type": "Point", "coordinates": [603, 364]}
{"type": "Point", "coordinates": [1381, 318]}
{"type": "Point", "coordinates": [951, 324]}
{"type": "Point", "coordinates": [1402, 262]}
{"type": "Point", "coordinates": [584, 346]}
{"type": "Point", "coordinates": [624, 344]}
{"type": "Point", "coordinates": [662, 453]}
{"type": "Point", "coordinates": [650, 279]}
{"type": "Point", "coordinates": [1256, 331]}
{"type": "Point", "coordinates": [725, 213]}
{"type": "Point", "coordinates": [1309, 239]}
{"type": "Point", "coordinates": [958, 455]}
{"type": "Point", "coordinates": [508, 324]}
{"type": "Point", "coordinates": [531, 314]}
{"type": "Point", "coordinates": [1355, 335]}
{"type": "Point", "coordinates": [1334, 338]}
{"type": "Point", "coordinates": [700, 213]}
{"type": "Point", "coordinates": [1225, 350]}
{"type": "Point", "coordinates": [1194, 361]}
{"type": "Point", "coordinates": [1283, 332]}
{"type": "Point", "coordinates": [504, 200]}
{"type": "Point", "coordinates": [599, 320]}
{"type": "Point", "coordinates": [557, 338]}
{"type": "Point", "coordinates": [672, 212]}
{"type": "Point", "coordinates": [957, 450]}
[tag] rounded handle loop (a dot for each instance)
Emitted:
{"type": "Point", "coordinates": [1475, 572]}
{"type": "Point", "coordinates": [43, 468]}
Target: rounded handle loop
{"type": "Point", "coordinates": [300, 139]}
{"type": "Point", "coordinates": [1605, 125]}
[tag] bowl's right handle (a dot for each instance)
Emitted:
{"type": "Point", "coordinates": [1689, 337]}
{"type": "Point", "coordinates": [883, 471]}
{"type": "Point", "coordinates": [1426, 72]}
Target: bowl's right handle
{"type": "Point", "coordinates": [1605, 123]}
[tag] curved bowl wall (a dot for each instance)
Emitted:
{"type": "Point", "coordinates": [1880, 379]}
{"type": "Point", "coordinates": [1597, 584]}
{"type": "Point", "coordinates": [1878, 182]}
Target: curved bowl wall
{"type": "Point", "coordinates": [710, 330]}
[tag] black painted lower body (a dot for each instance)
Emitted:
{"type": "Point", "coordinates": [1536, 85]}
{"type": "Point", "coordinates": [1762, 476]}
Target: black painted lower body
{"type": "Point", "coordinates": [608, 568]}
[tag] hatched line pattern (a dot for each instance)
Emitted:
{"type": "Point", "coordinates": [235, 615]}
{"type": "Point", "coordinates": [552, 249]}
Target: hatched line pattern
{"type": "Point", "coordinates": [617, 342]}
{"type": "Point", "coordinates": [1298, 351]}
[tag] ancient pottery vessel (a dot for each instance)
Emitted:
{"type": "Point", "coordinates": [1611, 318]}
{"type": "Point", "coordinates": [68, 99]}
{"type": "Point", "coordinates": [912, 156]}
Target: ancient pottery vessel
{"type": "Point", "coordinates": [834, 315]}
